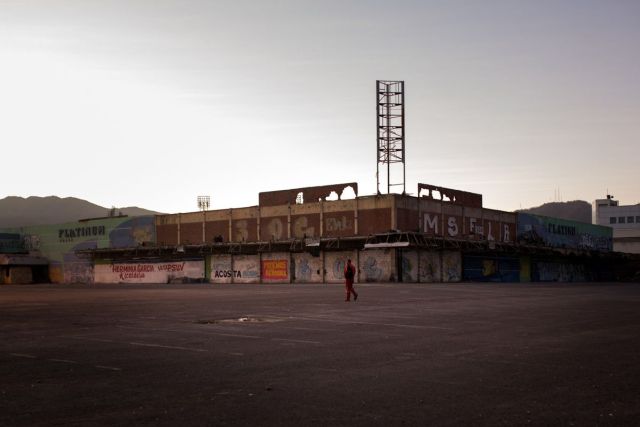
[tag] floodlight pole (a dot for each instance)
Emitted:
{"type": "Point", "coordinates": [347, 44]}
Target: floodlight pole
{"type": "Point", "coordinates": [390, 132]}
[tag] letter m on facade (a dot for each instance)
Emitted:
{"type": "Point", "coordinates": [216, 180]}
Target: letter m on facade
{"type": "Point", "coordinates": [430, 224]}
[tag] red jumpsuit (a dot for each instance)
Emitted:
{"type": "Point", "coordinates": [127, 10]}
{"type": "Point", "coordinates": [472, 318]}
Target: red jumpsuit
{"type": "Point", "coordinates": [348, 282]}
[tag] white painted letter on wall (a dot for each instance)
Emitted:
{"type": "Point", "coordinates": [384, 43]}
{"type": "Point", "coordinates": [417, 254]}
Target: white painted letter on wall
{"type": "Point", "coordinates": [430, 223]}
{"type": "Point", "coordinates": [453, 226]}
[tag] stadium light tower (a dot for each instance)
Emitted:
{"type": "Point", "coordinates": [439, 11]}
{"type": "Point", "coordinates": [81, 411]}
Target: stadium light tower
{"type": "Point", "coordinates": [203, 203]}
{"type": "Point", "coordinates": [390, 129]}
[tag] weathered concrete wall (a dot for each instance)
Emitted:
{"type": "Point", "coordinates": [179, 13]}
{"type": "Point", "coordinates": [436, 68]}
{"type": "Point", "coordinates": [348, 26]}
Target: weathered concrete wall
{"type": "Point", "coordinates": [339, 218]}
{"type": "Point", "coordinates": [378, 265]}
{"type": "Point", "coordinates": [410, 267]}
{"type": "Point", "coordinates": [222, 269]}
{"type": "Point", "coordinates": [549, 271]}
{"type": "Point", "coordinates": [306, 194]}
{"type": "Point", "coordinates": [308, 268]}
{"type": "Point", "coordinates": [466, 223]}
{"type": "Point", "coordinates": [167, 234]}
{"type": "Point", "coordinates": [451, 266]}
{"type": "Point", "coordinates": [362, 216]}
{"type": "Point", "coordinates": [406, 212]}
{"type": "Point", "coordinates": [274, 223]}
{"type": "Point", "coordinates": [15, 275]}
{"type": "Point", "coordinates": [305, 220]}
{"type": "Point", "coordinates": [191, 233]}
{"type": "Point", "coordinates": [430, 267]}
{"type": "Point", "coordinates": [77, 270]}
{"type": "Point", "coordinates": [460, 197]}
{"type": "Point", "coordinates": [491, 224]}
{"type": "Point", "coordinates": [334, 263]}
{"type": "Point", "coordinates": [163, 272]}
{"type": "Point", "coordinates": [375, 214]}
{"type": "Point", "coordinates": [490, 268]}
{"type": "Point", "coordinates": [372, 221]}
{"type": "Point", "coordinates": [248, 267]}
{"type": "Point", "coordinates": [244, 224]}
{"type": "Point", "coordinates": [217, 230]}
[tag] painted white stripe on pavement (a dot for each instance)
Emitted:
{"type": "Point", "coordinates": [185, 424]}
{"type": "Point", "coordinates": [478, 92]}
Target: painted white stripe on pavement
{"type": "Point", "coordinates": [87, 338]}
{"type": "Point", "coordinates": [350, 322]}
{"type": "Point", "coordinates": [171, 347]}
{"type": "Point", "coordinates": [111, 368]}
{"type": "Point", "coordinates": [63, 361]}
{"type": "Point", "coordinates": [299, 341]}
{"type": "Point", "coordinates": [233, 335]}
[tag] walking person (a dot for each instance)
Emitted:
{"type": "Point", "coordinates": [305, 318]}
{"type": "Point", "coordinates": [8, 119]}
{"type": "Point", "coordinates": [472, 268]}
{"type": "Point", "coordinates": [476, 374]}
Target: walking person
{"type": "Point", "coordinates": [349, 275]}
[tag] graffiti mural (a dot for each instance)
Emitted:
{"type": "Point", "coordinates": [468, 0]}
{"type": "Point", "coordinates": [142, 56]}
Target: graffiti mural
{"type": "Point", "coordinates": [480, 268]}
{"type": "Point", "coordinates": [132, 232]}
{"type": "Point", "coordinates": [378, 265]}
{"type": "Point", "coordinates": [302, 228]}
{"type": "Point", "coordinates": [308, 269]}
{"type": "Point", "coordinates": [275, 229]}
{"type": "Point", "coordinates": [451, 266]}
{"type": "Point", "coordinates": [59, 242]}
{"type": "Point", "coordinates": [334, 264]}
{"type": "Point", "coordinates": [410, 266]}
{"type": "Point", "coordinates": [559, 272]}
{"type": "Point", "coordinates": [562, 233]}
{"type": "Point", "coordinates": [75, 269]}
{"type": "Point", "coordinates": [429, 270]}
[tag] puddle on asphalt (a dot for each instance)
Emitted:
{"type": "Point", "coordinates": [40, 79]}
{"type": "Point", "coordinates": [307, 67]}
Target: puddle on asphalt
{"type": "Point", "coordinates": [243, 319]}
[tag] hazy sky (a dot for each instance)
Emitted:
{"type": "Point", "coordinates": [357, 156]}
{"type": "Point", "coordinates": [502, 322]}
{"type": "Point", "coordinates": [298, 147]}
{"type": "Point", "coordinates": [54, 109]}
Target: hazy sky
{"type": "Point", "coordinates": [152, 103]}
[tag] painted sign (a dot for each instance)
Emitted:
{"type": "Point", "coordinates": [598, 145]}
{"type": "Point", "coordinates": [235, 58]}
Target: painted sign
{"type": "Point", "coordinates": [68, 235]}
{"type": "Point", "coordinates": [226, 268]}
{"type": "Point", "coordinates": [248, 268]}
{"type": "Point", "coordinates": [275, 269]}
{"type": "Point", "coordinates": [429, 267]}
{"type": "Point", "coordinates": [221, 270]}
{"type": "Point", "coordinates": [562, 233]}
{"type": "Point", "coordinates": [166, 272]}
{"type": "Point", "coordinates": [58, 243]}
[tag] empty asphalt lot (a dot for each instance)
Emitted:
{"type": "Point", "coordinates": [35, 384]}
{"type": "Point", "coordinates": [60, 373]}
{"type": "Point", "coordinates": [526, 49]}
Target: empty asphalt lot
{"type": "Point", "coordinates": [403, 354]}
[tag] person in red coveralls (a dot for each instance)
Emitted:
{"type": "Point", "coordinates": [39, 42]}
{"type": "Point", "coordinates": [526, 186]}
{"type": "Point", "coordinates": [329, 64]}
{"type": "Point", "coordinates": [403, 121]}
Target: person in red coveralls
{"type": "Point", "coordinates": [349, 274]}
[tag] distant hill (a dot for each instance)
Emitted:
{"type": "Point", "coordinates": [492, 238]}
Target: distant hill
{"type": "Point", "coordinates": [21, 212]}
{"type": "Point", "coordinates": [576, 210]}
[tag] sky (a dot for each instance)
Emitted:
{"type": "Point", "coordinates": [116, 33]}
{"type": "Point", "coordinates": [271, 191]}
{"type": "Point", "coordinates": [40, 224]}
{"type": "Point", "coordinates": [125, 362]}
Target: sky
{"type": "Point", "coordinates": [153, 103]}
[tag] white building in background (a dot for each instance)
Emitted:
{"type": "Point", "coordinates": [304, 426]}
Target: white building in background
{"type": "Point", "coordinates": [625, 221]}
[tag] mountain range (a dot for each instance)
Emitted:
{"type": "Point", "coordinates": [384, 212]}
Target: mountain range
{"type": "Point", "coordinates": [576, 210]}
{"type": "Point", "coordinates": [23, 212]}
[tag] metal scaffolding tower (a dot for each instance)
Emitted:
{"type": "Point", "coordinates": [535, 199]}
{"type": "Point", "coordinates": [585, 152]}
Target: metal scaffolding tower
{"type": "Point", "coordinates": [390, 129]}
